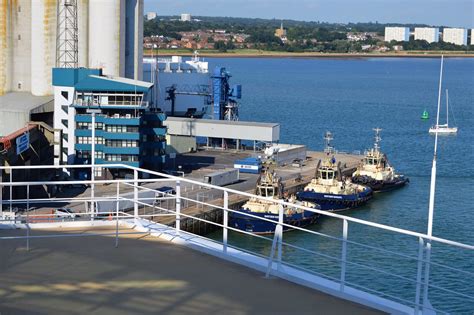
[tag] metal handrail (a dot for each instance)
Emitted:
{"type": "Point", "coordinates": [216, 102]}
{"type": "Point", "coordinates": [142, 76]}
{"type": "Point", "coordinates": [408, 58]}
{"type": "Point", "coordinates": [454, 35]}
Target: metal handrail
{"type": "Point", "coordinates": [246, 194]}
{"type": "Point", "coordinates": [276, 240]}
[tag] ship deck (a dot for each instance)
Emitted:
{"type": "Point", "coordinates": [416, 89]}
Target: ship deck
{"type": "Point", "coordinates": [144, 275]}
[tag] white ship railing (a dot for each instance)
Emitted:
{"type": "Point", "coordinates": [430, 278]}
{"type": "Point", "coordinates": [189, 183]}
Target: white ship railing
{"type": "Point", "coordinates": [458, 287]}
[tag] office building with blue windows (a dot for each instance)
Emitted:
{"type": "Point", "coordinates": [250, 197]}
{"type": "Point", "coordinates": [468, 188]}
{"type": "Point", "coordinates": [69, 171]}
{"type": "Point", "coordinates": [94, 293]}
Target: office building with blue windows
{"type": "Point", "coordinates": [128, 127]}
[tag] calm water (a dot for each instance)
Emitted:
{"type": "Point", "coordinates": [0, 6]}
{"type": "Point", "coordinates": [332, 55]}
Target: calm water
{"type": "Point", "coordinates": [349, 98]}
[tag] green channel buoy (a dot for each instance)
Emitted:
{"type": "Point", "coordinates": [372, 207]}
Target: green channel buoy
{"type": "Point", "coordinates": [425, 115]}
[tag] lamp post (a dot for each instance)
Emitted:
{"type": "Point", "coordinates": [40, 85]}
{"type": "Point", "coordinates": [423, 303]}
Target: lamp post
{"type": "Point", "coordinates": [93, 112]}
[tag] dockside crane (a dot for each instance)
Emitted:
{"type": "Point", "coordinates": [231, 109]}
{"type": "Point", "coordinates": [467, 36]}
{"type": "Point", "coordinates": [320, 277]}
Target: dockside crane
{"type": "Point", "coordinates": [196, 90]}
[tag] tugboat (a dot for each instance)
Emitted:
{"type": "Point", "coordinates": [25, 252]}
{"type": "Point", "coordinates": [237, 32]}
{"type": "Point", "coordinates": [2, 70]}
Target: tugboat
{"type": "Point", "coordinates": [333, 192]}
{"type": "Point", "coordinates": [376, 172]}
{"type": "Point", "coordinates": [269, 185]}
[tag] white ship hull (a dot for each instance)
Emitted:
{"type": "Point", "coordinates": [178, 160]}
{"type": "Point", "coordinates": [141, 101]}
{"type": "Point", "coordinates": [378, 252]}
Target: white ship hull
{"type": "Point", "coordinates": [443, 130]}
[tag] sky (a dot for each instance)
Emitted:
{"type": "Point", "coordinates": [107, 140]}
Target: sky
{"type": "Point", "coordinates": [454, 13]}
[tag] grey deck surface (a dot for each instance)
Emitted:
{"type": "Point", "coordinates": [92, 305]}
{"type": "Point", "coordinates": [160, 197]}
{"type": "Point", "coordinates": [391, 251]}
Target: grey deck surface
{"type": "Point", "coordinates": [144, 275]}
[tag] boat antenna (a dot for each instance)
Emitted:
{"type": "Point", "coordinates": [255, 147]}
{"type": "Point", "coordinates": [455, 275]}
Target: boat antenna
{"type": "Point", "coordinates": [432, 192]}
{"type": "Point", "coordinates": [328, 137]}
{"type": "Point", "coordinates": [377, 138]}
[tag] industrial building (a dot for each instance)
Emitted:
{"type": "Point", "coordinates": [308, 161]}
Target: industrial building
{"type": "Point", "coordinates": [399, 34]}
{"type": "Point", "coordinates": [188, 89]}
{"type": "Point", "coordinates": [110, 37]}
{"type": "Point", "coordinates": [185, 17]}
{"type": "Point", "coordinates": [183, 132]}
{"type": "Point", "coordinates": [457, 36]}
{"type": "Point", "coordinates": [151, 16]}
{"type": "Point", "coordinates": [30, 145]}
{"type": "Point", "coordinates": [429, 34]}
{"type": "Point", "coordinates": [127, 129]}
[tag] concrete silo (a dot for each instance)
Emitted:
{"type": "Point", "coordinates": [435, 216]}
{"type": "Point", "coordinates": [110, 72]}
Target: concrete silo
{"type": "Point", "coordinates": [43, 45]}
{"type": "Point", "coordinates": [134, 40]}
{"type": "Point", "coordinates": [5, 46]}
{"type": "Point", "coordinates": [83, 32]}
{"type": "Point", "coordinates": [21, 42]}
{"type": "Point", "coordinates": [107, 36]}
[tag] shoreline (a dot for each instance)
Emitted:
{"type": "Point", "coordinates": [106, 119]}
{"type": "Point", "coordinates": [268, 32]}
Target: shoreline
{"type": "Point", "coordinates": [266, 54]}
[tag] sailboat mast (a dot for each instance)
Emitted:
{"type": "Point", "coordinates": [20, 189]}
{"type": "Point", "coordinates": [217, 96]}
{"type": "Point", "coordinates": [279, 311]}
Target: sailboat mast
{"type": "Point", "coordinates": [433, 168]}
{"type": "Point", "coordinates": [439, 97]}
{"type": "Point", "coordinates": [447, 108]}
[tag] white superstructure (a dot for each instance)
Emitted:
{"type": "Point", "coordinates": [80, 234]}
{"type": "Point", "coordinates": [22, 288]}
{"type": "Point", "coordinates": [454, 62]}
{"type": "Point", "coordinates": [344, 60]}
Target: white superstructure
{"type": "Point", "coordinates": [400, 34]}
{"type": "Point", "coordinates": [110, 36]}
{"type": "Point", "coordinates": [457, 36]}
{"type": "Point", "coordinates": [430, 34]}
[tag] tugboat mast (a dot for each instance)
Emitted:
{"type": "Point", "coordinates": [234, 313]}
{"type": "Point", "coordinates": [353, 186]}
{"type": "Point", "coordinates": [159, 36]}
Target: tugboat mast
{"type": "Point", "coordinates": [377, 138]}
{"type": "Point", "coordinates": [328, 137]}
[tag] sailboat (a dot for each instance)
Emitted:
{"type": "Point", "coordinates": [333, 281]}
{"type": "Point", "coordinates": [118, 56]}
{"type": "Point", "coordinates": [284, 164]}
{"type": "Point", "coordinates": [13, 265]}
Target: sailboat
{"type": "Point", "coordinates": [444, 128]}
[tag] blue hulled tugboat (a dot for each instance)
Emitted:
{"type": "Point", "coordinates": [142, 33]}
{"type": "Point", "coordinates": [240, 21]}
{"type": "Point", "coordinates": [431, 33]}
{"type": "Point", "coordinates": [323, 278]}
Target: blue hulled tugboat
{"type": "Point", "coordinates": [375, 170]}
{"type": "Point", "coordinates": [331, 191]}
{"type": "Point", "coordinates": [269, 185]}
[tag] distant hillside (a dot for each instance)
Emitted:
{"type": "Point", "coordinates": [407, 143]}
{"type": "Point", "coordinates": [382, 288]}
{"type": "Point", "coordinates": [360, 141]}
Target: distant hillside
{"type": "Point", "coordinates": [299, 36]}
{"type": "Point", "coordinates": [234, 24]}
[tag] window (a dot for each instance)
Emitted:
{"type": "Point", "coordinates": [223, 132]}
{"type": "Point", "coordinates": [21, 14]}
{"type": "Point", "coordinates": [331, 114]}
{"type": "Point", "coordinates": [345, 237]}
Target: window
{"type": "Point", "coordinates": [19, 36]}
{"type": "Point", "coordinates": [98, 171]}
{"type": "Point", "coordinates": [121, 129]}
{"type": "Point", "coordinates": [65, 94]}
{"type": "Point", "coordinates": [88, 140]}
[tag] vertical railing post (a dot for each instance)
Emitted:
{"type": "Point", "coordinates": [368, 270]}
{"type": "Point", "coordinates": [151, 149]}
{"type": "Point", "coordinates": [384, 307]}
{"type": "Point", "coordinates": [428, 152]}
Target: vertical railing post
{"type": "Point", "coordinates": [27, 217]}
{"type": "Point", "coordinates": [225, 220]}
{"type": "Point", "coordinates": [178, 206]}
{"type": "Point", "coordinates": [117, 214]}
{"type": "Point", "coordinates": [135, 195]}
{"type": "Point", "coordinates": [345, 228]}
{"type": "Point", "coordinates": [426, 302]}
{"type": "Point", "coordinates": [1, 193]}
{"type": "Point", "coordinates": [11, 189]}
{"type": "Point", "coordinates": [279, 231]}
{"type": "Point", "coordinates": [276, 242]}
{"type": "Point", "coordinates": [418, 275]}
{"type": "Point", "coordinates": [93, 167]}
